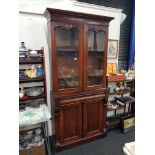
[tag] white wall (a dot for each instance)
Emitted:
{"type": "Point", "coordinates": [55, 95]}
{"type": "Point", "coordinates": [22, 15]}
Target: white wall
{"type": "Point", "coordinates": [33, 26]}
{"type": "Point", "coordinates": [33, 31]}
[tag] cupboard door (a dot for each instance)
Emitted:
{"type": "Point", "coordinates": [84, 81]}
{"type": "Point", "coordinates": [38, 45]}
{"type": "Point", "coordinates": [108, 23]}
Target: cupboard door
{"type": "Point", "coordinates": [68, 58]}
{"type": "Point", "coordinates": [93, 117]}
{"type": "Point", "coordinates": [95, 56]}
{"type": "Point", "coordinates": [70, 122]}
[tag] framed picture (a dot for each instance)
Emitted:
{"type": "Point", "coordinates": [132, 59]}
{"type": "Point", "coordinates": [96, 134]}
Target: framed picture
{"type": "Point", "coordinates": [127, 123]}
{"type": "Point", "coordinates": [112, 49]}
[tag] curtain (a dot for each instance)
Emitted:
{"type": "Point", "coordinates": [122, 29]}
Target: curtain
{"type": "Point", "coordinates": [131, 56]}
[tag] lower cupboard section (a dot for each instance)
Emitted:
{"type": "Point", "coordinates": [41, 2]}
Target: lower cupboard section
{"type": "Point", "coordinates": [79, 121]}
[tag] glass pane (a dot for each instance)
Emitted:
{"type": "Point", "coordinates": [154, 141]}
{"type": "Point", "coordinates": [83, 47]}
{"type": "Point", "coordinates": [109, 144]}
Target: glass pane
{"type": "Point", "coordinates": [95, 57]}
{"type": "Point", "coordinates": [67, 44]}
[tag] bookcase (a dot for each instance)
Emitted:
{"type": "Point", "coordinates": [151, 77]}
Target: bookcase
{"type": "Point", "coordinates": [33, 110]}
{"type": "Point", "coordinates": [120, 99]}
{"type": "Point", "coordinates": [78, 56]}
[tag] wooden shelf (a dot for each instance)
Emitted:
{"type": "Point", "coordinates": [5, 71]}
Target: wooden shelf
{"type": "Point", "coordinates": [95, 51]}
{"type": "Point", "coordinates": [67, 77]}
{"type": "Point", "coordinates": [31, 60]}
{"type": "Point", "coordinates": [31, 80]}
{"type": "Point", "coordinates": [116, 78]}
{"type": "Point", "coordinates": [95, 75]}
{"type": "Point", "coordinates": [68, 50]}
{"type": "Point", "coordinates": [119, 81]}
{"type": "Point", "coordinates": [25, 98]}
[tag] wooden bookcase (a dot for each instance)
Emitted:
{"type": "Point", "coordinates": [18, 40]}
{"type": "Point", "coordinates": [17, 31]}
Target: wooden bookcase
{"type": "Point", "coordinates": [78, 56]}
{"type": "Point", "coordinates": [114, 121]}
{"type": "Point", "coordinates": [28, 61]}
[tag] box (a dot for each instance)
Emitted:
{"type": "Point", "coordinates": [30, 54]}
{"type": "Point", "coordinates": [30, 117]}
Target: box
{"type": "Point", "coordinates": [40, 150]}
{"type": "Point", "coordinates": [127, 123]}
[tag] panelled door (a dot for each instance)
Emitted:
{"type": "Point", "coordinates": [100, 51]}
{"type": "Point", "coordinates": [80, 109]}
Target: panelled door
{"type": "Point", "coordinates": [66, 54]}
{"type": "Point", "coordinates": [70, 122]}
{"type": "Point", "coordinates": [93, 117]}
{"type": "Point", "coordinates": [95, 54]}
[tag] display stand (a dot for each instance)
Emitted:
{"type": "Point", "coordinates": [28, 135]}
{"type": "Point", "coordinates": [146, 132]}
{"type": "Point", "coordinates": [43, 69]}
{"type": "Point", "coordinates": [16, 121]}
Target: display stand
{"type": "Point", "coordinates": [122, 102]}
{"type": "Point", "coordinates": [33, 101]}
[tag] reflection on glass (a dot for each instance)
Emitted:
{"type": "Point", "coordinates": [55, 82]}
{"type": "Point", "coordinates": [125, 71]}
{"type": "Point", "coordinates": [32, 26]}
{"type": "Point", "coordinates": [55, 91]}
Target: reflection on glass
{"type": "Point", "coordinates": [67, 44]}
{"type": "Point", "coordinates": [95, 57]}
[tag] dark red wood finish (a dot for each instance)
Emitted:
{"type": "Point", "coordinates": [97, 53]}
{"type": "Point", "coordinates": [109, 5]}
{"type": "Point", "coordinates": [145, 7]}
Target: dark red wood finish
{"type": "Point", "coordinates": [30, 80]}
{"type": "Point", "coordinates": [39, 150]}
{"type": "Point", "coordinates": [80, 114]}
{"type": "Point", "coordinates": [93, 117]}
{"type": "Point", "coordinates": [54, 60]}
{"type": "Point", "coordinates": [34, 60]}
{"type": "Point", "coordinates": [103, 85]}
{"type": "Point", "coordinates": [70, 122]}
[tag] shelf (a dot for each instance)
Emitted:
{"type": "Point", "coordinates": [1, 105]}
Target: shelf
{"type": "Point", "coordinates": [96, 51]}
{"type": "Point", "coordinates": [126, 99]}
{"type": "Point", "coordinates": [33, 116]}
{"type": "Point", "coordinates": [68, 53]}
{"type": "Point", "coordinates": [119, 93]}
{"type": "Point", "coordinates": [67, 50]}
{"type": "Point", "coordinates": [116, 78]}
{"type": "Point", "coordinates": [27, 128]}
{"type": "Point", "coordinates": [31, 79]}
{"type": "Point", "coordinates": [25, 98]}
{"type": "Point", "coordinates": [122, 107]}
{"type": "Point", "coordinates": [95, 75]}
{"type": "Point", "coordinates": [118, 116]}
{"type": "Point", "coordinates": [119, 81]}
{"type": "Point", "coordinates": [68, 77]}
{"type": "Point", "coordinates": [30, 60]}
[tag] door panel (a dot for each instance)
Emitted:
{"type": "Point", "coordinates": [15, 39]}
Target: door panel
{"type": "Point", "coordinates": [67, 51]}
{"type": "Point", "coordinates": [71, 122]}
{"type": "Point", "coordinates": [95, 55]}
{"type": "Point", "coordinates": [93, 121]}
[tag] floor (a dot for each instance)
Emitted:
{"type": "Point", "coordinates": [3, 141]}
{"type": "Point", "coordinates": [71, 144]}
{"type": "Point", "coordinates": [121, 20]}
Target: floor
{"type": "Point", "coordinates": [112, 144]}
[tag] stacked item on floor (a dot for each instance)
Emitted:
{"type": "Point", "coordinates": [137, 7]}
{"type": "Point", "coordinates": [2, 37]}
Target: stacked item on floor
{"type": "Point", "coordinates": [129, 148]}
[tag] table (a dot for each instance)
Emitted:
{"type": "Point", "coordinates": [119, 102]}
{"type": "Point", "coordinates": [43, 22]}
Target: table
{"type": "Point", "coordinates": [32, 116]}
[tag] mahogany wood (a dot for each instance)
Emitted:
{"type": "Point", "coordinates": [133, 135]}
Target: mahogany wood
{"type": "Point", "coordinates": [25, 98]}
{"type": "Point", "coordinates": [40, 150]}
{"type": "Point", "coordinates": [103, 85]}
{"type": "Point", "coordinates": [31, 80]}
{"type": "Point", "coordinates": [79, 113]}
{"type": "Point", "coordinates": [93, 117]}
{"type": "Point", "coordinates": [70, 122]}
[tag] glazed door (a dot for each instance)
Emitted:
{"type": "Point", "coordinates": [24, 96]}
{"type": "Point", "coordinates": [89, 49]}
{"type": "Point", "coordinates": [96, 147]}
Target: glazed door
{"type": "Point", "coordinates": [95, 57]}
{"type": "Point", "coordinates": [67, 48]}
{"type": "Point", "coordinates": [93, 117]}
{"type": "Point", "coordinates": [70, 122]}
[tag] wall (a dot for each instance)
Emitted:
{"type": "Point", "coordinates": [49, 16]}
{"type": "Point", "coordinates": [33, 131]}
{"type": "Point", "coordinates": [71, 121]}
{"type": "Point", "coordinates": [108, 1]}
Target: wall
{"type": "Point", "coordinates": [125, 5]}
{"type": "Point", "coordinates": [33, 26]}
{"type": "Point", "coordinates": [33, 31]}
